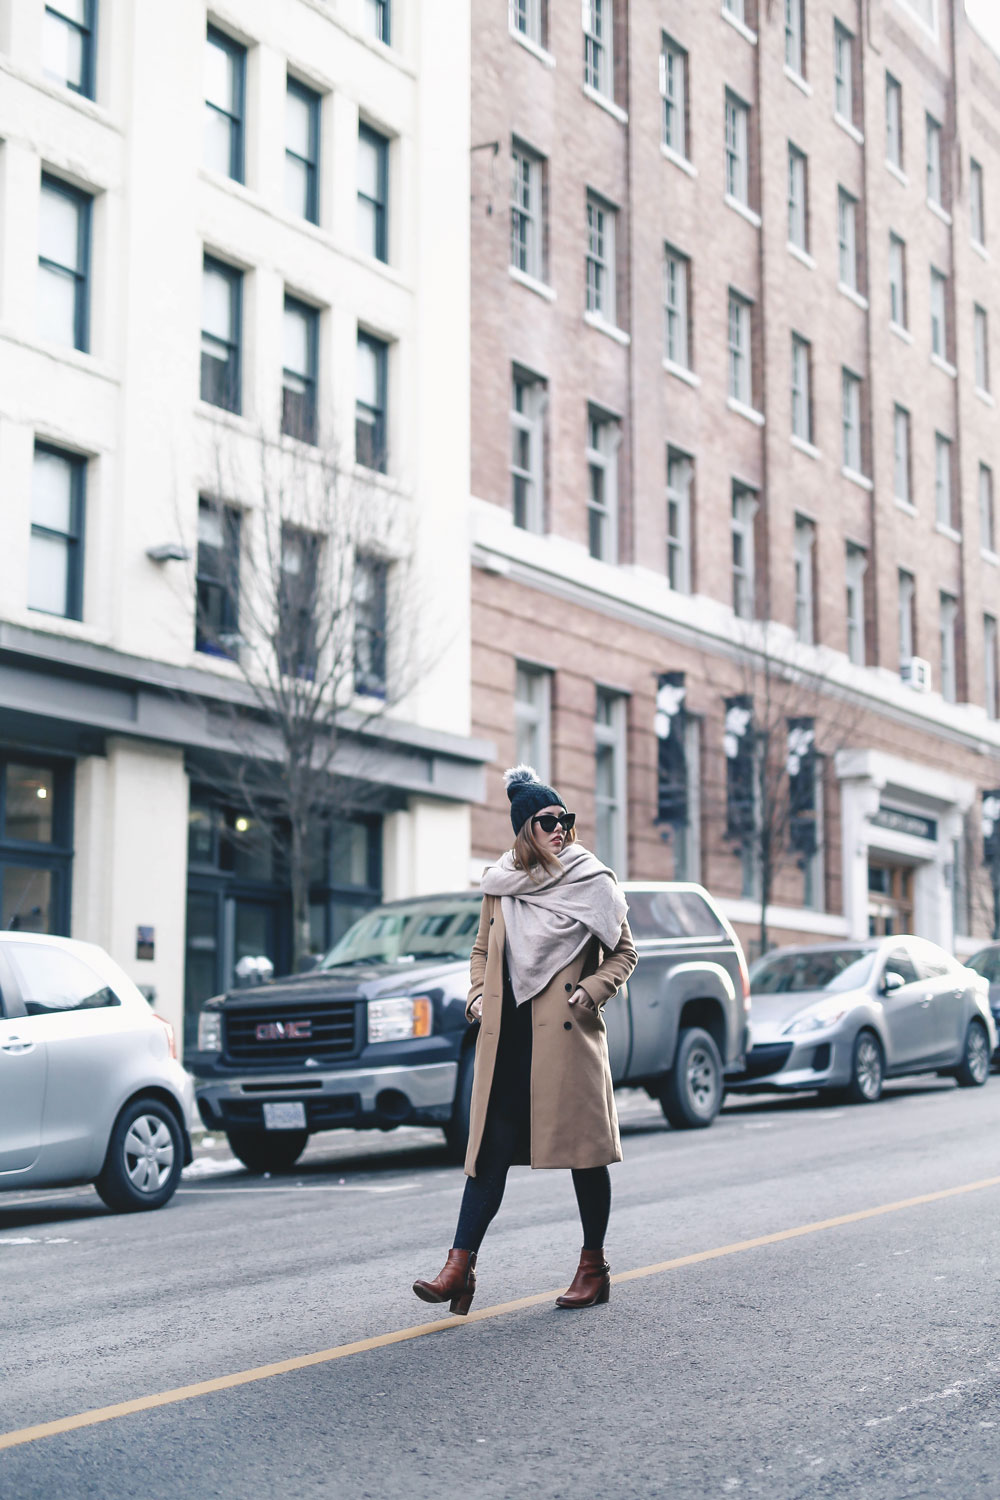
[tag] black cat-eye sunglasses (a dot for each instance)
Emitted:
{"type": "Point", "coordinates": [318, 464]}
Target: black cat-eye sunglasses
{"type": "Point", "coordinates": [549, 822]}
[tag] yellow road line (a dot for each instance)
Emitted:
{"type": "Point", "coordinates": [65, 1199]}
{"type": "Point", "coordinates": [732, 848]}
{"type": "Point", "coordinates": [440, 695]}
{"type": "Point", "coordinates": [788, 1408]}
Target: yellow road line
{"type": "Point", "coordinates": [403, 1335]}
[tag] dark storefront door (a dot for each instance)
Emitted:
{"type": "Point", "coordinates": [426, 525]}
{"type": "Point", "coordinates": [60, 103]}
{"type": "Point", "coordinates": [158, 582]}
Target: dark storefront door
{"type": "Point", "coordinates": [254, 927]}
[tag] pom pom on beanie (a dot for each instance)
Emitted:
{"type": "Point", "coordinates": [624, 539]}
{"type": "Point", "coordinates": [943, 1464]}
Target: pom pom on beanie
{"type": "Point", "coordinates": [527, 795]}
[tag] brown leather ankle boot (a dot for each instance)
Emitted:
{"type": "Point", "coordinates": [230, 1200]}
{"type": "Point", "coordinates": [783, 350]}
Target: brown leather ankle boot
{"type": "Point", "coordinates": [592, 1282]}
{"type": "Point", "coordinates": [457, 1280]}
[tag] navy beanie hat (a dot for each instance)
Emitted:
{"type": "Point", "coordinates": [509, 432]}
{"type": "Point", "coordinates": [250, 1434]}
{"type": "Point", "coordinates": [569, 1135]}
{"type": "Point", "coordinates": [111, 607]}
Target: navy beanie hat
{"type": "Point", "coordinates": [527, 795]}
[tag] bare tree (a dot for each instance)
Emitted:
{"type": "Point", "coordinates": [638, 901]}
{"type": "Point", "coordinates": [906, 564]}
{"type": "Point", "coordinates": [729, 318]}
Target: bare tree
{"type": "Point", "coordinates": [311, 594]}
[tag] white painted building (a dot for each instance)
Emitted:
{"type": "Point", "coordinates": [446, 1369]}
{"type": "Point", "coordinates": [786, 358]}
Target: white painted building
{"type": "Point", "coordinates": [214, 225]}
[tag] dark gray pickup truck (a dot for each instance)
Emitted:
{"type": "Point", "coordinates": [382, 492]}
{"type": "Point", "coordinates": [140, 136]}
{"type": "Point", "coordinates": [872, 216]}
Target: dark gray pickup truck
{"type": "Point", "coordinates": [376, 1034]}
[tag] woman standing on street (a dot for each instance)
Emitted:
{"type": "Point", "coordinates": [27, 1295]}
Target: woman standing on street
{"type": "Point", "coordinates": [553, 946]}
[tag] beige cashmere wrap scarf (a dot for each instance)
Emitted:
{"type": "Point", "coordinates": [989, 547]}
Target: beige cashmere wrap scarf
{"type": "Point", "coordinates": [550, 920]}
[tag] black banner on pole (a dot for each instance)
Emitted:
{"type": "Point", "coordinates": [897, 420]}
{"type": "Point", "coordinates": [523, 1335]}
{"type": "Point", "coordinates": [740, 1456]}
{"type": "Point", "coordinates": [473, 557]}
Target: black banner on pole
{"type": "Point", "coordinates": [671, 760]}
{"type": "Point", "coordinates": [738, 744]}
{"type": "Point", "coordinates": [800, 763]}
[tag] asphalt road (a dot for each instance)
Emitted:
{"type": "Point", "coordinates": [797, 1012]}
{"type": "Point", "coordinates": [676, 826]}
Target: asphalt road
{"type": "Point", "coordinates": [860, 1359]}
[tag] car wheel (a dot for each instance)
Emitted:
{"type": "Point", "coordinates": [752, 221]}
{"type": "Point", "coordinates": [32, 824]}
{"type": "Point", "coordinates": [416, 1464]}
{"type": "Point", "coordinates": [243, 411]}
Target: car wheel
{"type": "Point", "coordinates": [456, 1132]}
{"type": "Point", "coordinates": [145, 1155]}
{"type": "Point", "coordinates": [867, 1069]}
{"type": "Point", "coordinates": [267, 1150]}
{"type": "Point", "coordinates": [691, 1096]}
{"type": "Point", "coordinates": [974, 1069]}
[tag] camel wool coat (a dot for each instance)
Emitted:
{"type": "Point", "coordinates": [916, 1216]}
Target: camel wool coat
{"type": "Point", "coordinates": [574, 1122]}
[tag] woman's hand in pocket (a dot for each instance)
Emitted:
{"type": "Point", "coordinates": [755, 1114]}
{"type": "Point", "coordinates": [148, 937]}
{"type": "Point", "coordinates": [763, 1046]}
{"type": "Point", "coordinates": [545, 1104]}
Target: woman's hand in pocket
{"type": "Point", "coordinates": [581, 998]}
{"type": "Point", "coordinates": [475, 1011]}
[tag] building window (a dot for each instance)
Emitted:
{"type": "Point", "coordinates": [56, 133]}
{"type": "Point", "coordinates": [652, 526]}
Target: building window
{"type": "Point", "coordinates": [217, 583]}
{"type": "Point", "coordinates": [976, 203]}
{"type": "Point", "coordinates": [600, 259]}
{"type": "Point", "coordinates": [370, 426]}
{"type": "Point", "coordinates": [609, 781]}
{"type": "Point", "coordinates": [744, 509]}
{"type": "Point", "coordinates": [371, 578]}
{"type": "Point", "coordinates": [680, 477]}
{"type": "Point", "coordinates": [225, 90]}
{"type": "Point", "coordinates": [598, 60]}
{"type": "Point", "coordinates": [533, 718]}
{"type": "Point", "coordinates": [55, 553]}
{"type": "Point", "coordinates": [64, 264]}
{"type": "Point", "coordinates": [378, 20]}
{"type": "Point", "coordinates": [737, 149]}
{"type": "Point", "coordinates": [897, 281]}
{"type": "Point", "coordinates": [847, 240]}
{"type": "Point", "coordinates": [857, 562]}
{"type": "Point", "coordinates": [851, 422]}
{"type": "Point", "coordinates": [736, 8]}
{"type": "Point", "coordinates": [36, 846]}
{"type": "Point", "coordinates": [843, 73]}
{"type": "Point", "coordinates": [527, 460]}
{"type": "Point", "coordinates": [526, 212]}
{"type": "Point", "coordinates": [302, 122]}
{"type": "Point", "coordinates": [794, 49]}
{"type": "Point", "coordinates": [934, 178]}
{"type": "Point", "coordinates": [373, 193]}
{"type": "Point", "coordinates": [982, 348]}
{"type": "Point", "coordinates": [673, 92]}
{"type": "Point", "coordinates": [603, 437]}
{"type": "Point", "coordinates": [906, 602]}
{"type": "Point", "coordinates": [942, 480]}
{"type": "Point", "coordinates": [939, 325]}
{"type": "Point", "coordinates": [299, 603]}
{"type": "Point", "coordinates": [987, 532]}
{"type": "Point", "coordinates": [893, 122]}
{"type": "Point", "coordinates": [68, 51]}
{"type": "Point", "coordinates": [949, 614]}
{"type": "Point", "coordinates": [901, 454]}
{"type": "Point", "coordinates": [676, 300]}
{"type": "Point", "coordinates": [798, 222]}
{"type": "Point", "coordinates": [801, 393]}
{"type": "Point", "coordinates": [805, 623]}
{"type": "Point", "coordinates": [740, 376]}
{"type": "Point", "coordinates": [298, 376]}
{"type": "Point", "coordinates": [526, 19]}
{"type": "Point", "coordinates": [221, 317]}
{"type": "Point", "coordinates": [990, 666]}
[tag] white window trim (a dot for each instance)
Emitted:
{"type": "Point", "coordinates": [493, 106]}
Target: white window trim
{"type": "Point", "coordinates": [756, 417]}
{"type": "Point", "coordinates": [798, 80]}
{"type": "Point", "coordinates": [802, 346]}
{"type": "Point", "coordinates": [852, 296]}
{"type": "Point", "coordinates": [683, 500]}
{"type": "Point", "coordinates": [944, 366]}
{"type": "Point", "coordinates": [744, 524]}
{"type": "Point", "coordinates": [683, 264]}
{"type": "Point", "coordinates": [803, 552]}
{"type": "Point", "coordinates": [744, 30]}
{"type": "Point", "coordinates": [536, 238]}
{"type": "Point", "coordinates": [680, 56]}
{"type": "Point", "coordinates": [897, 172]}
{"type": "Point", "coordinates": [943, 529]}
{"type": "Point", "coordinates": [688, 376]}
{"type": "Point", "coordinates": [980, 249]}
{"type": "Point", "coordinates": [533, 422]}
{"type": "Point", "coordinates": [802, 446]}
{"type": "Point", "coordinates": [948, 617]}
{"type": "Point", "coordinates": [540, 288]}
{"type": "Point", "coordinates": [742, 210]}
{"type": "Point", "coordinates": [943, 448]}
{"type": "Point", "coordinates": [802, 255]}
{"type": "Point", "coordinates": [595, 317]}
{"type": "Point", "coordinates": [850, 128]}
{"type": "Point", "coordinates": [606, 457]}
{"type": "Point", "coordinates": [859, 558]}
{"type": "Point", "coordinates": [905, 505]}
{"type": "Point", "coordinates": [531, 46]}
{"type": "Point", "coordinates": [538, 715]}
{"type": "Point", "coordinates": [594, 320]}
{"type": "Point", "coordinates": [679, 161]}
{"type": "Point", "coordinates": [901, 332]}
{"type": "Point", "coordinates": [939, 212]}
{"type": "Point", "coordinates": [615, 735]}
{"type": "Point", "coordinates": [596, 97]}
{"type": "Point", "coordinates": [987, 398]}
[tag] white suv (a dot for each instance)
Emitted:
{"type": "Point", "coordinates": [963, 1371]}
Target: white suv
{"type": "Point", "coordinates": [90, 1086]}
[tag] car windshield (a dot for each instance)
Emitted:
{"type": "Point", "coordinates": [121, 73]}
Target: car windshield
{"type": "Point", "coordinates": [441, 927]}
{"type": "Point", "coordinates": [987, 963]}
{"type": "Point", "coordinates": [829, 969]}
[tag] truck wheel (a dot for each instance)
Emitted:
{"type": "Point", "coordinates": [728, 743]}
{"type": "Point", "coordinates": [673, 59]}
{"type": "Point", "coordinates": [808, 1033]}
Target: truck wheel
{"type": "Point", "coordinates": [267, 1150]}
{"type": "Point", "coordinates": [692, 1092]}
{"type": "Point", "coordinates": [456, 1132]}
{"type": "Point", "coordinates": [974, 1069]}
{"type": "Point", "coordinates": [144, 1160]}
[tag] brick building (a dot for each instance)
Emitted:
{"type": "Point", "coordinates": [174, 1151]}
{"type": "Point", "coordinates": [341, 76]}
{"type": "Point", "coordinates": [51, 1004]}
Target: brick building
{"type": "Point", "coordinates": [733, 443]}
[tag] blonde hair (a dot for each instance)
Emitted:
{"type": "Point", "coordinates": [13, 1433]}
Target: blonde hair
{"type": "Point", "coordinates": [530, 853]}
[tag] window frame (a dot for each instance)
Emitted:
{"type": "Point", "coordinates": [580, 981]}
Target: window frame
{"type": "Point", "coordinates": [850, 393]}
{"type": "Point", "coordinates": [679, 521]}
{"type": "Point", "coordinates": [531, 11]}
{"type": "Point", "coordinates": [234, 362]}
{"type": "Point", "coordinates": [987, 515]}
{"type": "Point", "coordinates": [977, 203]}
{"type": "Point", "coordinates": [74, 538]}
{"type": "Point", "coordinates": [901, 456]}
{"type": "Point", "coordinates": [740, 346]}
{"type": "Point", "coordinates": [674, 95]}
{"type": "Point", "coordinates": [601, 263]}
{"type": "Point", "coordinates": [313, 100]}
{"type": "Point", "coordinates": [612, 735]}
{"type": "Point", "coordinates": [380, 424]}
{"type": "Point", "coordinates": [847, 240]}
{"type": "Point", "coordinates": [603, 441]}
{"type": "Point", "coordinates": [893, 121]}
{"type": "Point", "coordinates": [745, 503]}
{"type": "Point", "coordinates": [236, 116]}
{"type": "Point", "coordinates": [676, 307]}
{"type": "Point", "coordinates": [83, 203]}
{"type": "Point", "coordinates": [897, 284]}
{"type": "Point", "coordinates": [935, 168]}
{"type": "Point", "coordinates": [226, 583]}
{"type": "Point", "coordinates": [381, 10]}
{"type": "Point", "coordinates": [798, 180]}
{"type": "Point", "coordinates": [948, 618]}
{"type": "Point", "coordinates": [991, 678]}
{"type": "Point", "coordinates": [533, 716]}
{"type": "Point", "coordinates": [906, 597]}
{"type": "Point", "coordinates": [939, 314]}
{"type": "Point", "coordinates": [598, 47]}
{"type": "Point", "coordinates": [843, 80]}
{"type": "Point", "coordinates": [943, 485]}
{"type": "Point", "coordinates": [981, 347]}
{"type": "Point", "coordinates": [87, 31]}
{"type": "Point", "coordinates": [801, 390]}
{"type": "Point", "coordinates": [380, 206]}
{"type": "Point", "coordinates": [736, 140]}
{"type": "Point", "coordinates": [795, 38]}
{"type": "Point", "coordinates": [527, 240]}
{"type": "Point", "coordinates": [803, 555]}
{"type": "Point", "coordinates": [371, 681]}
{"type": "Point", "coordinates": [304, 430]}
{"type": "Point", "coordinates": [531, 422]}
{"type": "Point", "coordinates": [856, 565]}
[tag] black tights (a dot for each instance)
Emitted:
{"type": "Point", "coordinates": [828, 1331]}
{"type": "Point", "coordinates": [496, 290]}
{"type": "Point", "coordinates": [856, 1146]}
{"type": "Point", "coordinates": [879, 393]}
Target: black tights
{"type": "Point", "coordinates": [484, 1192]}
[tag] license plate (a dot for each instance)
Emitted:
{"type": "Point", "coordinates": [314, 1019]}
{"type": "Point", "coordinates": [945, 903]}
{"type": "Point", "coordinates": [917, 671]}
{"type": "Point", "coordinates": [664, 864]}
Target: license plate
{"type": "Point", "coordinates": [285, 1116]}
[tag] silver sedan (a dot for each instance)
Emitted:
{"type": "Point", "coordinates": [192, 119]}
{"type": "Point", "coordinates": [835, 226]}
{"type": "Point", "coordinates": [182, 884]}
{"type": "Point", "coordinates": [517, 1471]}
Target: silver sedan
{"type": "Point", "coordinates": [848, 1016]}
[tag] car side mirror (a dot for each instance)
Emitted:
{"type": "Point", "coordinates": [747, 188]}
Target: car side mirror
{"type": "Point", "coordinates": [892, 981]}
{"type": "Point", "coordinates": [308, 962]}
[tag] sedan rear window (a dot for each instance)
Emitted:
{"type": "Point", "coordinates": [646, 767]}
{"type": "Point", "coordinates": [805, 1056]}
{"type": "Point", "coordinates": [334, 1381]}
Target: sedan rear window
{"type": "Point", "coordinates": [671, 914]}
{"type": "Point", "coordinates": [821, 969]}
{"type": "Point", "coordinates": [54, 979]}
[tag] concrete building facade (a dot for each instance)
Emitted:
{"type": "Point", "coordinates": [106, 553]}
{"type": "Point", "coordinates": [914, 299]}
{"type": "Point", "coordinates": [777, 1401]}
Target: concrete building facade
{"type": "Point", "coordinates": [214, 244]}
{"type": "Point", "coordinates": [735, 444]}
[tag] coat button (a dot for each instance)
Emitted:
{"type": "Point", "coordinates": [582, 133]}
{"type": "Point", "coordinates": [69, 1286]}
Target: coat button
{"type": "Point", "coordinates": [569, 989]}
{"type": "Point", "coordinates": [567, 1026]}
{"type": "Point", "coordinates": [491, 921]}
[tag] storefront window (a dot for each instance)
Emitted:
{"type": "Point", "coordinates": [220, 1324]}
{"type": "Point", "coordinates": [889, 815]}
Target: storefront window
{"type": "Point", "coordinates": [35, 847]}
{"type": "Point", "coordinates": [29, 802]}
{"type": "Point", "coordinates": [25, 899]}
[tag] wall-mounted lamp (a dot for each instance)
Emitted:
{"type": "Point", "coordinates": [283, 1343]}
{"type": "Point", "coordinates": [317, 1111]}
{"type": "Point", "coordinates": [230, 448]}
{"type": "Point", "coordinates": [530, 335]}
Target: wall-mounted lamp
{"type": "Point", "coordinates": [169, 552]}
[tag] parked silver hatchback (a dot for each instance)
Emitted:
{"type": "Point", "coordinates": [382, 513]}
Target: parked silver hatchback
{"type": "Point", "coordinates": [849, 1015]}
{"type": "Point", "coordinates": [90, 1086]}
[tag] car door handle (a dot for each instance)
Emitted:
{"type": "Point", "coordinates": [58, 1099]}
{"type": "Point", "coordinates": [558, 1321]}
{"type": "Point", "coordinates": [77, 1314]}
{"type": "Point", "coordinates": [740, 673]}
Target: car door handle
{"type": "Point", "coordinates": [925, 1000]}
{"type": "Point", "coordinates": [15, 1044]}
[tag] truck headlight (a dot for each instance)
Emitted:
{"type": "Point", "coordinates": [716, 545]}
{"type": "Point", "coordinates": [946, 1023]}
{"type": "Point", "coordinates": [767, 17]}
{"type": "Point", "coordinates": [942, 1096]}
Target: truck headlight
{"type": "Point", "coordinates": [399, 1019]}
{"type": "Point", "coordinates": [210, 1031]}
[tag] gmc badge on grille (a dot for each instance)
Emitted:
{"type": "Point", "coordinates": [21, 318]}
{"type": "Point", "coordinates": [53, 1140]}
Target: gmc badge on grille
{"type": "Point", "coordinates": [284, 1031]}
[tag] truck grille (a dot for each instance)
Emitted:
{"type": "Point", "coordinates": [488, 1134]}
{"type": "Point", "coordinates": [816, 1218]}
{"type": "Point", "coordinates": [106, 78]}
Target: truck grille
{"type": "Point", "coordinates": [273, 1038]}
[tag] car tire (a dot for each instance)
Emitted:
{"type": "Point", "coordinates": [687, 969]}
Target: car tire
{"type": "Point", "coordinates": [267, 1150]}
{"type": "Point", "coordinates": [867, 1070]}
{"type": "Point", "coordinates": [974, 1069]}
{"type": "Point", "coordinates": [144, 1158]}
{"type": "Point", "coordinates": [691, 1096]}
{"type": "Point", "coordinates": [456, 1132]}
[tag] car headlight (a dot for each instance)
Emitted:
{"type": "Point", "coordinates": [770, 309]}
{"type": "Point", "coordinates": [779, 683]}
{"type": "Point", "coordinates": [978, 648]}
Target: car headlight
{"type": "Point", "coordinates": [210, 1031]}
{"type": "Point", "coordinates": [399, 1018]}
{"type": "Point", "coordinates": [818, 1021]}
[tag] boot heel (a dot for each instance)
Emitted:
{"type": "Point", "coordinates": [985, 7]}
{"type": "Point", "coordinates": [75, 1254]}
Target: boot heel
{"type": "Point", "coordinates": [604, 1295]}
{"type": "Point", "coordinates": [460, 1305]}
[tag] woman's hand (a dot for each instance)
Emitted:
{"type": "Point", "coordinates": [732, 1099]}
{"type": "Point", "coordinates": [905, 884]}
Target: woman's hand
{"type": "Point", "coordinates": [476, 1008]}
{"type": "Point", "coordinates": [579, 995]}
